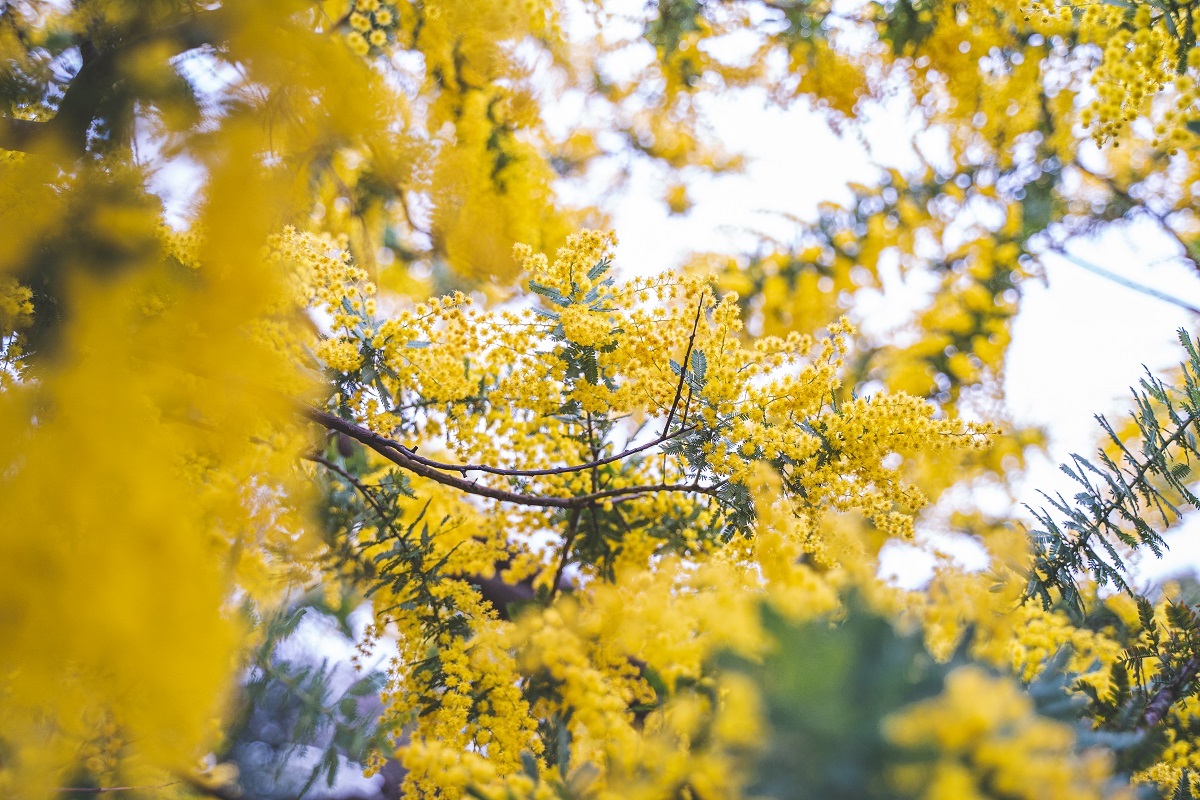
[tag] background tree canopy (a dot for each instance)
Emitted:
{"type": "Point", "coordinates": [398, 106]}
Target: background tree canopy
{"type": "Point", "coordinates": [300, 307]}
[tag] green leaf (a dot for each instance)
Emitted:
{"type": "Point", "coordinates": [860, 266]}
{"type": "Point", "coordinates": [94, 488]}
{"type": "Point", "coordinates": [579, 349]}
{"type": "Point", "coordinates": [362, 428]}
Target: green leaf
{"type": "Point", "coordinates": [1145, 613]}
{"type": "Point", "coordinates": [699, 364]}
{"type": "Point", "coordinates": [1183, 789]}
{"type": "Point", "coordinates": [550, 293]}
{"type": "Point", "coordinates": [598, 270]}
{"type": "Point", "coordinates": [529, 765]}
{"type": "Point", "coordinates": [330, 763]}
{"type": "Point", "coordinates": [1181, 616]}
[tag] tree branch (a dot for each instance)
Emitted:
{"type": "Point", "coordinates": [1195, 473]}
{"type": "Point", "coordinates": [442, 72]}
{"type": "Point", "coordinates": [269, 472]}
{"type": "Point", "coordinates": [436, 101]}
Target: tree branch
{"type": "Point", "coordinates": [495, 590]}
{"type": "Point", "coordinates": [1164, 698]}
{"type": "Point", "coordinates": [665, 436]}
{"type": "Point", "coordinates": [1122, 281]}
{"type": "Point", "coordinates": [683, 368]}
{"type": "Point", "coordinates": [403, 457]}
{"type": "Point", "coordinates": [1135, 203]}
{"type": "Point", "coordinates": [568, 540]}
{"type": "Point", "coordinates": [533, 473]}
{"type": "Point", "coordinates": [22, 135]}
{"type": "Point", "coordinates": [353, 481]}
{"type": "Point", "coordinates": [88, 790]}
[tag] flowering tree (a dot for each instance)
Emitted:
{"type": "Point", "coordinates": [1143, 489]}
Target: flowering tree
{"type": "Point", "coordinates": [621, 536]}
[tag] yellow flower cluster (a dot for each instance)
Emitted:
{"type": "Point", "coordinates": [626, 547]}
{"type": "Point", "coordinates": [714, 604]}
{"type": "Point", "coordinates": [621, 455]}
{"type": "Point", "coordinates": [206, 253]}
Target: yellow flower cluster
{"type": "Point", "coordinates": [101, 754]}
{"type": "Point", "coordinates": [16, 306]}
{"type": "Point", "coordinates": [372, 25]}
{"type": "Point", "coordinates": [989, 741]}
{"type": "Point", "coordinates": [1179, 752]}
{"type": "Point", "coordinates": [480, 708]}
{"type": "Point", "coordinates": [988, 604]}
{"type": "Point", "coordinates": [183, 480]}
{"type": "Point", "coordinates": [592, 656]}
{"type": "Point", "coordinates": [596, 654]}
{"type": "Point", "coordinates": [340, 355]}
{"type": "Point", "coordinates": [1042, 634]}
{"type": "Point", "coordinates": [957, 601]}
{"type": "Point", "coordinates": [150, 470]}
{"type": "Point", "coordinates": [828, 74]}
{"type": "Point", "coordinates": [1142, 62]}
{"type": "Point", "coordinates": [1136, 65]}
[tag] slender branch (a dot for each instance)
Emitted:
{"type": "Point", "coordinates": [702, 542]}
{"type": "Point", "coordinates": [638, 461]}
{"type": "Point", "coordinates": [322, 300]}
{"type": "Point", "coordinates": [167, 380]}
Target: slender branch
{"type": "Point", "coordinates": [683, 368]}
{"type": "Point", "coordinates": [568, 540]}
{"type": "Point", "coordinates": [353, 481]}
{"type": "Point", "coordinates": [496, 591]}
{"type": "Point", "coordinates": [1122, 281]}
{"type": "Point", "coordinates": [402, 457]}
{"type": "Point", "coordinates": [221, 793]}
{"type": "Point", "coordinates": [501, 594]}
{"type": "Point", "coordinates": [89, 790]}
{"type": "Point", "coordinates": [21, 135]}
{"type": "Point", "coordinates": [630, 491]}
{"type": "Point", "coordinates": [408, 217]}
{"type": "Point", "coordinates": [78, 108]}
{"type": "Point", "coordinates": [1134, 202]}
{"type": "Point", "coordinates": [596, 461]}
{"type": "Point", "coordinates": [1165, 697]}
{"type": "Point", "coordinates": [533, 473]}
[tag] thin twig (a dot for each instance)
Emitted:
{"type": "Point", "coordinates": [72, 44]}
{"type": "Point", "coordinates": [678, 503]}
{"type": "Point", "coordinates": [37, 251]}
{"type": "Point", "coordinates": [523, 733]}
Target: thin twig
{"type": "Point", "coordinates": [353, 481]}
{"type": "Point", "coordinates": [1122, 281]}
{"type": "Point", "coordinates": [683, 368]}
{"type": "Point", "coordinates": [89, 790]}
{"type": "Point", "coordinates": [1134, 202]}
{"type": "Point", "coordinates": [402, 457]}
{"type": "Point", "coordinates": [568, 540]}
{"type": "Point", "coordinates": [1165, 697]}
{"type": "Point", "coordinates": [594, 451]}
{"type": "Point", "coordinates": [533, 473]}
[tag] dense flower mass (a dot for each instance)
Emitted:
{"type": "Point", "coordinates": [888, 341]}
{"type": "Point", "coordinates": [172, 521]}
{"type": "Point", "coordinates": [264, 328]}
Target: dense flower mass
{"type": "Point", "coordinates": [990, 740]}
{"type": "Point", "coordinates": [591, 375]}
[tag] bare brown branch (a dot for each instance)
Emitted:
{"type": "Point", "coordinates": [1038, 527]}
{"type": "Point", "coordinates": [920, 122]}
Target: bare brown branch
{"type": "Point", "coordinates": [403, 457]}
{"type": "Point", "coordinates": [531, 473]}
{"type": "Point", "coordinates": [568, 541]}
{"type": "Point", "coordinates": [353, 481]}
{"type": "Point", "coordinates": [683, 367]}
{"type": "Point", "coordinates": [1156, 710]}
